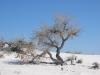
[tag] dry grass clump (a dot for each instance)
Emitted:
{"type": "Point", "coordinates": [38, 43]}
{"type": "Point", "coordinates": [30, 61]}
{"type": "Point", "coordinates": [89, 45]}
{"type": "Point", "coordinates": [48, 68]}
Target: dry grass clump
{"type": "Point", "coordinates": [95, 65]}
{"type": "Point", "coordinates": [1, 55]}
{"type": "Point", "coordinates": [79, 61]}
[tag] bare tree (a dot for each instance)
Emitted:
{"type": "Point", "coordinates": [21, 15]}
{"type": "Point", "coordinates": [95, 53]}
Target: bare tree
{"type": "Point", "coordinates": [54, 37]}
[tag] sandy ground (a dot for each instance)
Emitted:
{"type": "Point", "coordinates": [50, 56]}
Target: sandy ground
{"type": "Point", "coordinates": [9, 66]}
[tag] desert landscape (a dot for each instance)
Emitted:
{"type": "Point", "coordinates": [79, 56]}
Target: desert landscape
{"type": "Point", "coordinates": [9, 65]}
{"type": "Point", "coordinates": [49, 37]}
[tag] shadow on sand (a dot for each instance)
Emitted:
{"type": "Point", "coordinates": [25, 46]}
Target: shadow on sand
{"type": "Point", "coordinates": [18, 62]}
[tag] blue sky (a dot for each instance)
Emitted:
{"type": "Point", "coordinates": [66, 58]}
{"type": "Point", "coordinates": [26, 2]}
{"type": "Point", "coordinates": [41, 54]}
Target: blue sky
{"type": "Point", "coordinates": [21, 17]}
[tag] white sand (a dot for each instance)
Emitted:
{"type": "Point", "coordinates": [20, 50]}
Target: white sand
{"type": "Point", "coordinates": [49, 69]}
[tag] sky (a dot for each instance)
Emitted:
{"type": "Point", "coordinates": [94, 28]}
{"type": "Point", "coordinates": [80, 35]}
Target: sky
{"type": "Point", "coordinates": [19, 18]}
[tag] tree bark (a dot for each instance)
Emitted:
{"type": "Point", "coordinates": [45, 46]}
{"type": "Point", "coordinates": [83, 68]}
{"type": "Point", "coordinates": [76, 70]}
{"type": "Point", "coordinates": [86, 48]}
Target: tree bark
{"type": "Point", "coordinates": [59, 58]}
{"type": "Point", "coordinates": [43, 53]}
{"type": "Point", "coordinates": [54, 60]}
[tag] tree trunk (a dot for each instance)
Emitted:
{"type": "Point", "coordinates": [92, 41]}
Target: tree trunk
{"type": "Point", "coordinates": [43, 53]}
{"type": "Point", "coordinates": [54, 60]}
{"type": "Point", "coordinates": [59, 59]}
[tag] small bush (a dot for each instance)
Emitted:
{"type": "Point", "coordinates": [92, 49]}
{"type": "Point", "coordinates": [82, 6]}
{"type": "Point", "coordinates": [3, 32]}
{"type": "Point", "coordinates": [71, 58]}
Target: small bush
{"type": "Point", "coordinates": [72, 59]}
{"type": "Point", "coordinates": [79, 61]}
{"type": "Point", "coordinates": [1, 56]}
{"type": "Point", "coordinates": [95, 65]}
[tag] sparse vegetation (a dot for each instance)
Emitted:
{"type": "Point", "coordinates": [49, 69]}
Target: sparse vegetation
{"type": "Point", "coordinates": [79, 61]}
{"type": "Point", "coordinates": [71, 59]}
{"type": "Point", "coordinates": [95, 65]}
{"type": "Point", "coordinates": [49, 38]}
{"type": "Point", "coordinates": [1, 55]}
{"type": "Point", "coordinates": [55, 37]}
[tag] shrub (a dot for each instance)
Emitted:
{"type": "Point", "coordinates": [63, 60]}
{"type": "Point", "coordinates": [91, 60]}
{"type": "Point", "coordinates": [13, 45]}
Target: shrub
{"type": "Point", "coordinates": [1, 55]}
{"type": "Point", "coordinates": [72, 59]}
{"type": "Point", "coordinates": [79, 61]}
{"type": "Point", "coordinates": [95, 65]}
